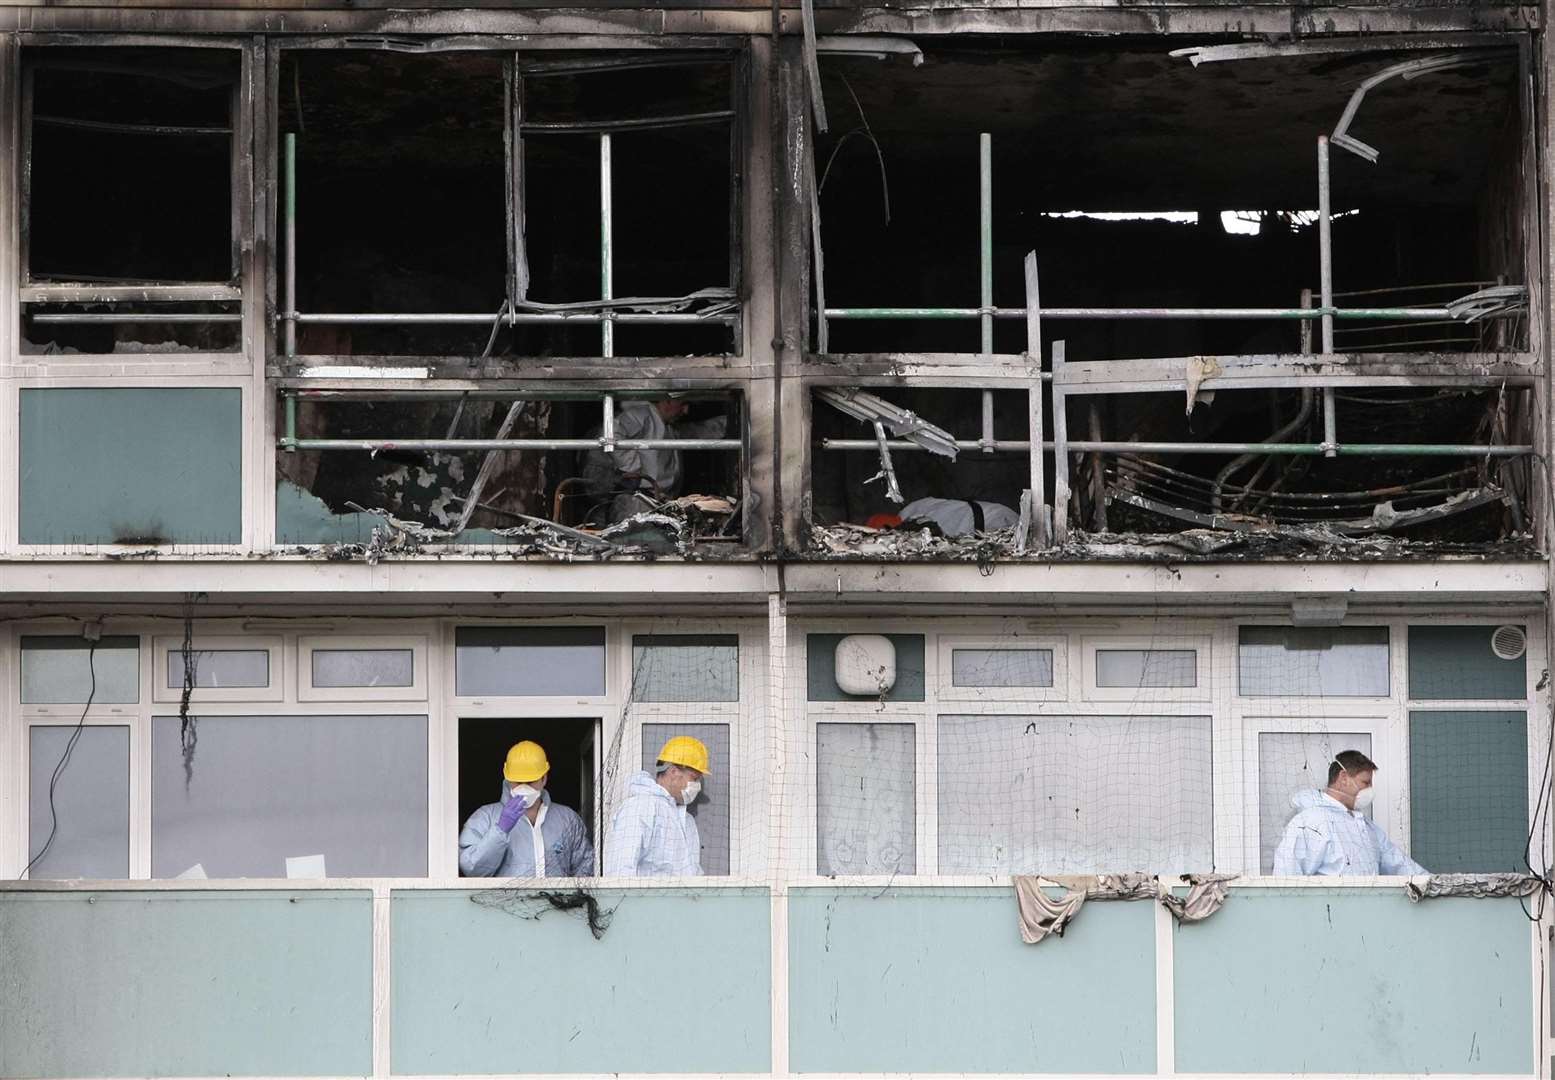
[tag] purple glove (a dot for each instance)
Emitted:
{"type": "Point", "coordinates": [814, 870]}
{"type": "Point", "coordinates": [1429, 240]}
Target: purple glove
{"type": "Point", "coordinates": [512, 810]}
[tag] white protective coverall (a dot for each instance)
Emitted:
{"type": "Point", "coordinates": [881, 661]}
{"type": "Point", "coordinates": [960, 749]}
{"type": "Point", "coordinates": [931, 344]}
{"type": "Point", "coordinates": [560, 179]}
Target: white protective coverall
{"type": "Point", "coordinates": [652, 835]}
{"type": "Point", "coordinates": [1326, 839]}
{"type": "Point", "coordinates": [641, 420]}
{"type": "Point", "coordinates": [955, 517]}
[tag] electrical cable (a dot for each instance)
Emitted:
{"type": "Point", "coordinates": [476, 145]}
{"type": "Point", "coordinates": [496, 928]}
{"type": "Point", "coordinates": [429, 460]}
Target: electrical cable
{"type": "Point", "coordinates": [64, 758]}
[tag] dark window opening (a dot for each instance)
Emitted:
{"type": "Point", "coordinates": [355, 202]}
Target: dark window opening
{"type": "Point", "coordinates": [1142, 181]}
{"type": "Point", "coordinates": [848, 485]}
{"type": "Point", "coordinates": [1444, 499]}
{"type": "Point", "coordinates": [570, 747]}
{"type": "Point", "coordinates": [128, 191]}
{"type": "Point", "coordinates": [330, 495]}
{"type": "Point", "coordinates": [470, 184]}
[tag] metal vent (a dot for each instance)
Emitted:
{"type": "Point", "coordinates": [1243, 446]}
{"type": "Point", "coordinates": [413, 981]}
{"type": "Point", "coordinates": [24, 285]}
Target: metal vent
{"type": "Point", "coordinates": [1509, 642]}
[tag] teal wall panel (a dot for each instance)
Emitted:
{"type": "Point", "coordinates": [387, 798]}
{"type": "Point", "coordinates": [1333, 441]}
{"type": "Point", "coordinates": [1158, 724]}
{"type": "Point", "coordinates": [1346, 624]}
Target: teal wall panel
{"type": "Point", "coordinates": [1468, 790]}
{"type": "Point", "coordinates": [938, 980]}
{"type": "Point", "coordinates": [680, 982]}
{"type": "Point", "coordinates": [186, 984]}
{"type": "Point", "coordinates": [1354, 980]}
{"type": "Point", "coordinates": [131, 465]}
{"type": "Point", "coordinates": [1454, 663]}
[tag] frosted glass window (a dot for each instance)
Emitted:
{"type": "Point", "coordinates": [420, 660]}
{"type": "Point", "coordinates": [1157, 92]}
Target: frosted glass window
{"type": "Point", "coordinates": [711, 808]}
{"type": "Point", "coordinates": [686, 667]}
{"type": "Point", "coordinates": [1001, 667]}
{"type": "Point", "coordinates": [1074, 794]}
{"type": "Point", "coordinates": [530, 661]}
{"type": "Point", "coordinates": [865, 799]}
{"type": "Point", "coordinates": [1289, 661]}
{"type": "Point", "coordinates": [262, 789]}
{"type": "Point", "coordinates": [220, 669]}
{"type": "Point", "coordinates": [91, 802]}
{"type": "Point", "coordinates": [55, 670]}
{"type": "Point", "coordinates": [364, 667]}
{"type": "Point", "coordinates": [1288, 763]}
{"type": "Point", "coordinates": [1147, 668]}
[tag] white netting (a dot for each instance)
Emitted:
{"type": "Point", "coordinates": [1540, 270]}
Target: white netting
{"type": "Point", "coordinates": [1165, 744]}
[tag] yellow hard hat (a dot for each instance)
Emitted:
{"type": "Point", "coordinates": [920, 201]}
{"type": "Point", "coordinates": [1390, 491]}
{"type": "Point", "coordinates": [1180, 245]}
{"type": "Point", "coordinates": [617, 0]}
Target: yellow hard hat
{"type": "Point", "coordinates": [686, 751]}
{"type": "Point", "coordinates": [526, 762]}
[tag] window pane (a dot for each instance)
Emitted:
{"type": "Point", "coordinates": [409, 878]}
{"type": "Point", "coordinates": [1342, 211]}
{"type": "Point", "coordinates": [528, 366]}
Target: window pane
{"type": "Point", "coordinates": [865, 799]}
{"type": "Point", "coordinates": [1074, 795]}
{"type": "Point", "coordinates": [55, 670]}
{"type": "Point", "coordinates": [1001, 667]}
{"type": "Point", "coordinates": [686, 667]}
{"type": "Point", "coordinates": [711, 809]}
{"type": "Point", "coordinates": [1290, 762]}
{"type": "Point", "coordinates": [364, 667]}
{"type": "Point", "coordinates": [91, 802]}
{"type": "Point", "coordinates": [1456, 662]}
{"type": "Point", "coordinates": [821, 669]}
{"type": "Point", "coordinates": [538, 661]}
{"type": "Point", "coordinates": [1468, 790]}
{"type": "Point", "coordinates": [218, 669]}
{"type": "Point", "coordinates": [262, 789]}
{"type": "Point", "coordinates": [1143, 668]}
{"type": "Point", "coordinates": [1287, 661]}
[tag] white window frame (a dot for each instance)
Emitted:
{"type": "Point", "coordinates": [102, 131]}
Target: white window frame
{"type": "Point", "coordinates": [536, 703]}
{"type": "Point", "coordinates": [310, 644]}
{"type": "Point", "coordinates": [139, 790]}
{"type": "Point", "coordinates": [72, 711]}
{"type": "Point", "coordinates": [944, 689]}
{"type": "Point", "coordinates": [276, 690]}
{"type": "Point", "coordinates": [1202, 646]}
{"type": "Point", "coordinates": [1391, 809]}
{"type": "Point", "coordinates": [925, 820]}
{"type": "Point", "coordinates": [1396, 630]}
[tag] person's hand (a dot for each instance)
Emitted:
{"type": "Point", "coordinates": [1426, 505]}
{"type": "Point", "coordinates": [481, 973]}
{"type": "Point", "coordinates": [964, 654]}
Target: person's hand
{"type": "Point", "coordinates": [512, 810]}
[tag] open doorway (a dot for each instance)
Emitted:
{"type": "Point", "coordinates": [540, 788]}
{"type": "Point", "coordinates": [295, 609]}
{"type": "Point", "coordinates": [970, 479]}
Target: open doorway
{"type": "Point", "coordinates": [570, 746]}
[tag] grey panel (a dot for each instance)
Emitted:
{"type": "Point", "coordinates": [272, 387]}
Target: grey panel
{"type": "Point", "coordinates": [1468, 788]}
{"type": "Point", "coordinates": [1302, 661]}
{"type": "Point", "coordinates": [1455, 663]}
{"type": "Point", "coordinates": [1001, 667]}
{"type": "Point", "coordinates": [265, 788]}
{"type": "Point", "coordinates": [364, 667]}
{"type": "Point", "coordinates": [1074, 795]}
{"type": "Point", "coordinates": [216, 669]}
{"type": "Point", "coordinates": [91, 802]}
{"type": "Point", "coordinates": [131, 465]}
{"type": "Point", "coordinates": [686, 667]}
{"type": "Point", "coordinates": [865, 799]}
{"type": "Point", "coordinates": [711, 808]}
{"type": "Point", "coordinates": [529, 661]}
{"type": "Point", "coordinates": [1288, 762]}
{"type": "Point", "coordinates": [821, 668]}
{"type": "Point", "coordinates": [60, 669]}
{"type": "Point", "coordinates": [1147, 668]}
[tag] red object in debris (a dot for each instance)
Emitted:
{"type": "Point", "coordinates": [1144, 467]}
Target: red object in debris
{"type": "Point", "coordinates": [883, 521]}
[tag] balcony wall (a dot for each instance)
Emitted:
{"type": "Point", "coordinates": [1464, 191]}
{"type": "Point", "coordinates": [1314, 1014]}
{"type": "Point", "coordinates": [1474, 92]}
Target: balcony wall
{"type": "Point", "coordinates": [279, 980]}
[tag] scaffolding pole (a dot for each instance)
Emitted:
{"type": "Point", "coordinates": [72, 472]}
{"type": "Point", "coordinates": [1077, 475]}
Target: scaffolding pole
{"type": "Point", "coordinates": [985, 238]}
{"type": "Point", "coordinates": [289, 317]}
{"type": "Point", "coordinates": [1325, 256]}
{"type": "Point", "coordinates": [1083, 446]}
{"type": "Point", "coordinates": [607, 337]}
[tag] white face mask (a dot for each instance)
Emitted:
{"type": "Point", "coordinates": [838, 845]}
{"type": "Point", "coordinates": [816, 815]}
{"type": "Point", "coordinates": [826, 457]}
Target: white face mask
{"type": "Point", "coordinates": [526, 794]}
{"type": "Point", "coordinates": [1364, 799]}
{"type": "Point", "coordinates": [689, 793]}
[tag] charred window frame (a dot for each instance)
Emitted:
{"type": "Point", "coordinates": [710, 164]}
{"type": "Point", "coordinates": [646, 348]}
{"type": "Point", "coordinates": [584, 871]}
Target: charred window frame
{"type": "Point", "coordinates": [205, 95]}
{"type": "Point", "coordinates": [1505, 370]}
{"type": "Point", "coordinates": [716, 304]}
